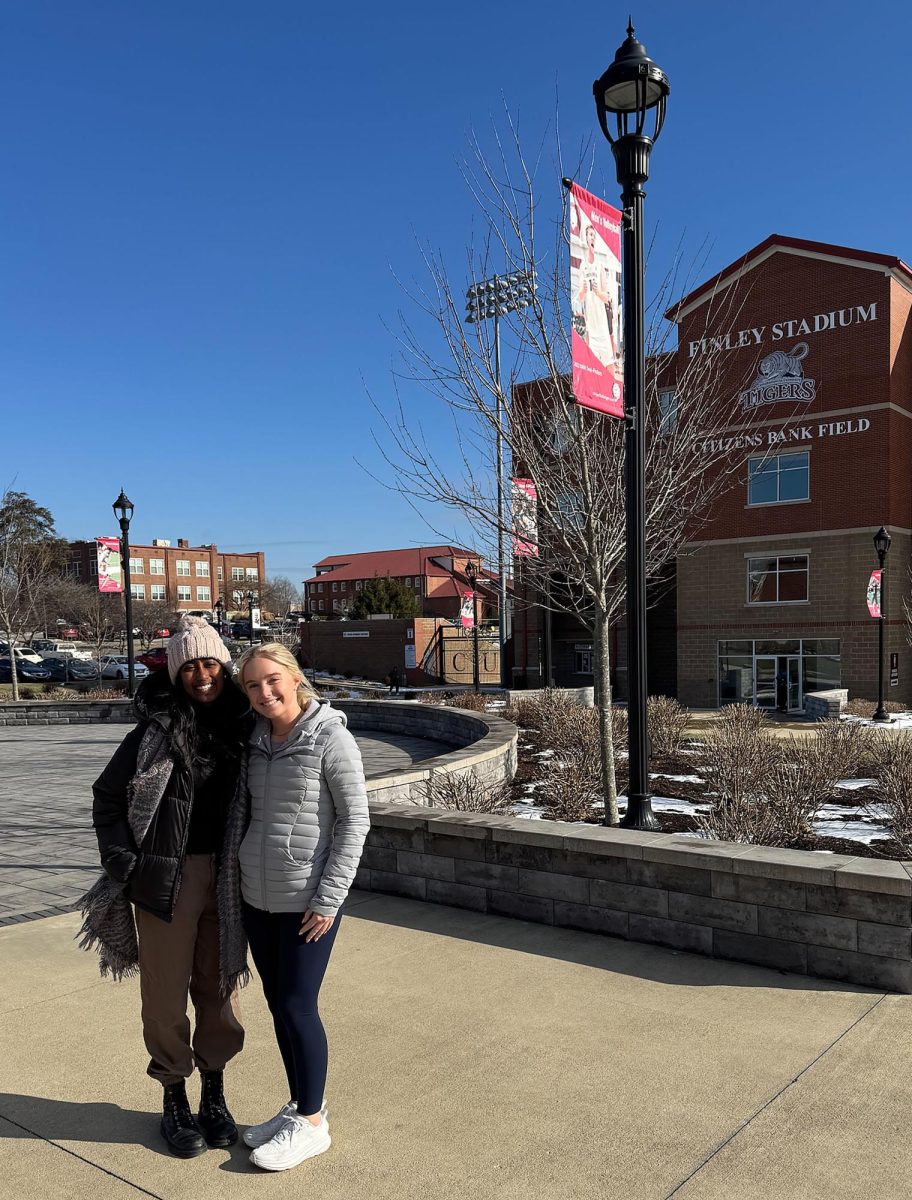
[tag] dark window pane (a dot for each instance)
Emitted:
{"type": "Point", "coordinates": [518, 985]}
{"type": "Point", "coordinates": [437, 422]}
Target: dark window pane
{"type": "Point", "coordinates": [793, 585]}
{"type": "Point", "coordinates": [821, 672]}
{"type": "Point", "coordinates": [736, 679]}
{"type": "Point", "coordinates": [762, 489]}
{"type": "Point", "coordinates": [761, 564]}
{"type": "Point", "coordinates": [820, 646]}
{"type": "Point", "coordinates": [793, 562]}
{"type": "Point", "coordinates": [763, 587]}
{"type": "Point", "coordinates": [793, 485]}
{"type": "Point", "coordinates": [777, 646]}
{"type": "Point", "coordinates": [736, 648]}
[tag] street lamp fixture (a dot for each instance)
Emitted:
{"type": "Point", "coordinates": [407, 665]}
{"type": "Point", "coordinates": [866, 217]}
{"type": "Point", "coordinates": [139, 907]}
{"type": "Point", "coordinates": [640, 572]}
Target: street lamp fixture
{"type": "Point", "coordinates": [882, 542]}
{"type": "Point", "coordinates": [218, 608]}
{"type": "Point", "coordinates": [123, 510]}
{"type": "Point", "coordinates": [251, 600]}
{"type": "Point", "coordinates": [496, 297]}
{"type": "Point", "coordinates": [634, 91]}
{"type": "Point", "coordinates": [471, 570]}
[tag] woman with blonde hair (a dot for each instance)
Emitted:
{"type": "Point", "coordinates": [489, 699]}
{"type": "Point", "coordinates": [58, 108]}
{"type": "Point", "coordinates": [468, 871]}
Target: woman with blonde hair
{"type": "Point", "coordinates": [305, 830]}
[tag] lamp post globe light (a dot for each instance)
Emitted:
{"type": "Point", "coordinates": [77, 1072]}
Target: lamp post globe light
{"type": "Point", "coordinates": [882, 542]}
{"type": "Point", "coordinates": [471, 570]}
{"type": "Point", "coordinates": [495, 298]}
{"type": "Point", "coordinates": [123, 510]}
{"type": "Point", "coordinates": [633, 91]}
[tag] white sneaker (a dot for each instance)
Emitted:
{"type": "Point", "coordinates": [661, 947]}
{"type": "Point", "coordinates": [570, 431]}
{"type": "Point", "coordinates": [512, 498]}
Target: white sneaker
{"type": "Point", "coordinates": [296, 1141]}
{"type": "Point", "coordinates": [259, 1135]}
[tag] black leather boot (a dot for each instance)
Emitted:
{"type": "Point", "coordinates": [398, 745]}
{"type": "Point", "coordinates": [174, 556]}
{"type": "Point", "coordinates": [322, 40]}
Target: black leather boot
{"type": "Point", "coordinates": [213, 1118]}
{"type": "Point", "coordinates": [178, 1127]}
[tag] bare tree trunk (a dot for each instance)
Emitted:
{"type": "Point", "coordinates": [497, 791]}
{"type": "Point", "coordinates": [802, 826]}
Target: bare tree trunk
{"type": "Point", "coordinates": [602, 677]}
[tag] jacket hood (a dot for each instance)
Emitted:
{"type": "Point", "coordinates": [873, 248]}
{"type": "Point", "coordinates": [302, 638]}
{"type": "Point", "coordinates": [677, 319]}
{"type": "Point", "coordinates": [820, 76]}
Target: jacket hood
{"type": "Point", "coordinates": [306, 729]}
{"type": "Point", "coordinates": [156, 697]}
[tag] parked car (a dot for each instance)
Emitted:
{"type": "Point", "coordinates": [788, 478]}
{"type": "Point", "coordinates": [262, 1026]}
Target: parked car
{"type": "Point", "coordinates": [116, 666]}
{"type": "Point", "coordinates": [48, 648]}
{"type": "Point", "coordinates": [155, 658]}
{"type": "Point", "coordinates": [26, 671]}
{"type": "Point", "coordinates": [70, 670]}
{"type": "Point", "coordinates": [21, 653]}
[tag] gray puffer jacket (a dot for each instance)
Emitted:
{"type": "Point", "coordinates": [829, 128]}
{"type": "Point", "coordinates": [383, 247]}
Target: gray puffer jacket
{"type": "Point", "coordinates": [308, 816]}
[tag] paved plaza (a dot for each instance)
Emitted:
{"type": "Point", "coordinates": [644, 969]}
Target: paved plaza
{"type": "Point", "coordinates": [471, 1055]}
{"type": "Point", "coordinates": [48, 852]}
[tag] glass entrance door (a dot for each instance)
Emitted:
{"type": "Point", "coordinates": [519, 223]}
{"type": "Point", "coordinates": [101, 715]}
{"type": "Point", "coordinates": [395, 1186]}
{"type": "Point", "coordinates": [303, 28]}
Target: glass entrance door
{"type": "Point", "coordinates": [765, 681]}
{"type": "Point", "coordinates": [792, 666]}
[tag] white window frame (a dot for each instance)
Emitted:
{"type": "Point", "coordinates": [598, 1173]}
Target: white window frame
{"type": "Point", "coordinates": [763, 460]}
{"type": "Point", "coordinates": [158, 588]}
{"type": "Point", "coordinates": [776, 557]}
{"type": "Point", "coordinates": [136, 566]}
{"type": "Point", "coordinates": [251, 574]}
{"type": "Point", "coordinates": [138, 591]}
{"type": "Point", "coordinates": [156, 566]}
{"type": "Point", "coordinates": [181, 588]}
{"type": "Point", "coordinates": [237, 574]}
{"type": "Point", "coordinates": [219, 574]}
{"type": "Point", "coordinates": [182, 568]}
{"type": "Point", "coordinates": [204, 594]}
{"type": "Point", "coordinates": [202, 568]}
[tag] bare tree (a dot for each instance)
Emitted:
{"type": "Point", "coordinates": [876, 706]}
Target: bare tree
{"type": "Point", "coordinates": [30, 554]}
{"type": "Point", "coordinates": [149, 616]}
{"type": "Point", "coordinates": [278, 595]}
{"type": "Point", "coordinates": [572, 456]}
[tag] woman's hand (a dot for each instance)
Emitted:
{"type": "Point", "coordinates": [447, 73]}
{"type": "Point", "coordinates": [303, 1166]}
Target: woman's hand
{"type": "Point", "coordinates": [314, 926]}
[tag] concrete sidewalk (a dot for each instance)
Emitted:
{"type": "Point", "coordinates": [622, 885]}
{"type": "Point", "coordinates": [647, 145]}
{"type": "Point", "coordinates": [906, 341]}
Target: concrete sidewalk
{"type": "Point", "coordinates": [475, 1056]}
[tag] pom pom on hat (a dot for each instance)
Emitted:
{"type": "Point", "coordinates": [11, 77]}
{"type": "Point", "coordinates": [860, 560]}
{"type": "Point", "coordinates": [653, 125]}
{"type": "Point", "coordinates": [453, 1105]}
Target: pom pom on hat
{"type": "Point", "coordinates": [194, 638]}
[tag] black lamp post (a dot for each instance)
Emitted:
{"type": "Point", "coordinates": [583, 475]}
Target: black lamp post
{"type": "Point", "coordinates": [123, 510]}
{"type": "Point", "coordinates": [251, 597]}
{"type": "Point", "coordinates": [882, 541]}
{"type": "Point", "coordinates": [471, 571]}
{"type": "Point", "coordinates": [218, 608]}
{"type": "Point", "coordinates": [634, 90]}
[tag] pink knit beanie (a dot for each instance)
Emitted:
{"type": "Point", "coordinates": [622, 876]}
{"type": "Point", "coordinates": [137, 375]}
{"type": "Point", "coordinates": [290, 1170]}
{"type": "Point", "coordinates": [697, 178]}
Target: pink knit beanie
{"type": "Point", "coordinates": [194, 638]}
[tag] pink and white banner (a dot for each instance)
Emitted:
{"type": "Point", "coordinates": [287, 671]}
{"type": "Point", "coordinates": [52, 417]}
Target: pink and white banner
{"type": "Point", "coordinates": [110, 578]}
{"type": "Point", "coordinates": [524, 499]}
{"type": "Point", "coordinates": [595, 303]}
{"type": "Point", "coordinates": [467, 611]}
{"type": "Point", "coordinates": [873, 596]}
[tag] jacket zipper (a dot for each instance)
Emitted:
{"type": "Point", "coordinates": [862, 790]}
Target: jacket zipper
{"type": "Point", "coordinates": [263, 833]}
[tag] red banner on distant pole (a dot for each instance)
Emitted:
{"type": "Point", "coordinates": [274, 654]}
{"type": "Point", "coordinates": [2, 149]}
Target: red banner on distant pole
{"type": "Point", "coordinates": [467, 611]}
{"type": "Point", "coordinates": [595, 303]}
{"type": "Point", "coordinates": [874, 594]}
{"type": "Point", "coordinates": [110, 578]}
{"type": "Point", "coordinates": [525, 519]}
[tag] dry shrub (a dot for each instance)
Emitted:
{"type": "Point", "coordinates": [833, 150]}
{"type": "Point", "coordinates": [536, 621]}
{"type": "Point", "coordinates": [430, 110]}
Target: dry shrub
{"type": "Point", "coordinates": [856, 707]}
{"type": "Point", "coordinates": [767, 789]}
{"type": "Point", "coordinates": [51, 691]}
{"type": "Point", "coordinates": [466, 792]}
{"type": "Point", "coordinates": [476, 701]}
{"type": "Point", "coordinates": [541, 711]}
{"type": "Point", "coordinates": [894, 783]}
{"type": "Point", "coordinates": [106, 693]}
{"type": "Point", "coordinates": [666, 721]}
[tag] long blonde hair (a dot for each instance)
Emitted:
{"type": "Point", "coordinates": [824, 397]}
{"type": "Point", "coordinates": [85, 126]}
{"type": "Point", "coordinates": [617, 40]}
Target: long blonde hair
{"type": "Point", "coordinates": [283, 657]}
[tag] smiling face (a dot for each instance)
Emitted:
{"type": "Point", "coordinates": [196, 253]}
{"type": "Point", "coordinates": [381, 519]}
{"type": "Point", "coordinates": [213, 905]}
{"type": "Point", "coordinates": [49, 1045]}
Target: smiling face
{"type": "Point", "coordinates": [272, 690]}
{"type": "Point", "coordinates": [203, 679]}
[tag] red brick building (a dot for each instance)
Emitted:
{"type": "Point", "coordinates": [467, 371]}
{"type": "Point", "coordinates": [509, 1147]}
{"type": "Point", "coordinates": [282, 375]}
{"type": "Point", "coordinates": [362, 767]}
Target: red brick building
{"type": "Point", "coordinates": [774, 589]}
{"type": "Point", "coordinates": [436, 575]}
{"type": "Point", "coordinates": [185, 577]}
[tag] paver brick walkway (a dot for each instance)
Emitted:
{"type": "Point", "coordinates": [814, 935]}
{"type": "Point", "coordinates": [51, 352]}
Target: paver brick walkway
{"type": "Point", "coordinates": [48, 852]}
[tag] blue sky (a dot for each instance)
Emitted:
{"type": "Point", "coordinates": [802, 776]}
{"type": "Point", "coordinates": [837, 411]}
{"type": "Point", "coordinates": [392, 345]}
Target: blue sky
{"type": "Point", "coordinates": [203, 205]}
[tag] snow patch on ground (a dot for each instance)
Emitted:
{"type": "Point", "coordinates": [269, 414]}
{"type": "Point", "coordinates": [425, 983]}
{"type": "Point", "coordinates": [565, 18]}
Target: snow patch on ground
{"type": "Point", "coordinates": [901, 720]}
{"type": "Point", "coordinates": [851, 785]}
{"type": "Point", "coordinates": [676, 778]}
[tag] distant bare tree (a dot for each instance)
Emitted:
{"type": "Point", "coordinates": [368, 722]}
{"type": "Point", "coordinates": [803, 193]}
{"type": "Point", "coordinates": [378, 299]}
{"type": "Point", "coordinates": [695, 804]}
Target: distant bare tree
{"type": "Point", "coordinates": [151, 615]}
{"type": "Point", "coordinates": [278, 595]}
{"type": "Point", "coordinates": [30, 554]}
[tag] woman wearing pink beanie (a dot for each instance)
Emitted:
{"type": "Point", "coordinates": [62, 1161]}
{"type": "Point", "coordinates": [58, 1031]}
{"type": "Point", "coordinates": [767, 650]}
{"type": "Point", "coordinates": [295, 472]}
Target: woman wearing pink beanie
{"type": "Point", "coordinates": [163, 906]}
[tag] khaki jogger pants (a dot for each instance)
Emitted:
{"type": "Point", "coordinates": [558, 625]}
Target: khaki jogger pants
{"type": "Point", "coordinates": [178, 959]}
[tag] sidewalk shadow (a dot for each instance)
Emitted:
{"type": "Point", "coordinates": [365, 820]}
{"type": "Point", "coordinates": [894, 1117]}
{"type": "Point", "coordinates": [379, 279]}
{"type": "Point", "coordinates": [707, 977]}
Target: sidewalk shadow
{"type": "Point", "coordinates": [642, 960]}
{"type": "Point", "coordinates": [95, 1121]}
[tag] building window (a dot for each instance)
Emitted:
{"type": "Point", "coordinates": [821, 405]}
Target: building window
{"type": "Point", "coordinates": [779, 580]}
{"type": "Point", "coordinates": [252, 573]}
{"type": "Point", "coordinates": [313, 606]}
{"type": "Point", "coordinates": [408, 581]}
{"type": "Point", "coordinates": [74, 568]}
{"type": "Point", "coordinates": [237, 574]}
{"type": "Point", "coordinates": [182, 566]}
{"type": "Point", "coordinates": [138, 591]}
{"type": "Point", "coordinates": [158, 591]}
{"type": "Point", "coordinates": [582, 659]}
{"type": "Point", "coordinates": [219, 574]}
{"type": "Point", "coordinates": [183, 591]}
{"type": "Point", "coordinates": [357, 585]}
{"type": "Point", "coordinates": [779, 479]}
{"type": "Point", "coordinates": [202, 569]}
{"type": "Point", "coordinates": [569, 506]}
{"type": "Point", "coordinates": [321, 606]}
{"type": "Point", "coordinates": [136, 566]}
{"type": "Point", "coordinates": [204, 594]}
{"type": "Point", "coordinates": [335, 586]}
{"type": "Point", "coordinates": [320, 589]}
{"type": "Point", "coordinates": [668, 411]}
{"type": "Point", "coordinates": [156, 566]}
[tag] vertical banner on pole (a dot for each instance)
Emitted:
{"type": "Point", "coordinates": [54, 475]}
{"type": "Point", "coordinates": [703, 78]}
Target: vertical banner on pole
{"type": "Point", "coordinates": [467, 611]}
{"type": "Point", "coordinates": [595, 303]}
{"type": "Point", "coordinates": [873, 596]}
{"type": "Point", "coordinates": [523, 499]}
{"type": "Point", "coordinates": [110, 576]}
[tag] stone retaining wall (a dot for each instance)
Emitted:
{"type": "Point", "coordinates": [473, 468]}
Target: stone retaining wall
{"type": "Point", "coordinates": [823, 705]}
{"type": "Point", "coordinates": [66, 712]}
{"type": "Point", "coordinates": [582, 695]}
{"type": "Point", "coordinates": [826, 915]}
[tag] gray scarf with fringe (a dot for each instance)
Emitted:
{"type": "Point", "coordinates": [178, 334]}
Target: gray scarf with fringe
{"type": "Point", "coordinates": [108, 924]}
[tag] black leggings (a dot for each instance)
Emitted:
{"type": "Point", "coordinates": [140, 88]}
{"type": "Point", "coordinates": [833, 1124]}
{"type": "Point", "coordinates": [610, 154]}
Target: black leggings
{"type": "Point", "coordinates": [292, 971]}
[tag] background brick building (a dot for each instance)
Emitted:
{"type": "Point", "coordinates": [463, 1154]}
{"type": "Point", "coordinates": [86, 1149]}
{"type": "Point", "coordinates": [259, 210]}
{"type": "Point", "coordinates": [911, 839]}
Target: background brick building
{"type": "Point", "coordinates": [185, 577]}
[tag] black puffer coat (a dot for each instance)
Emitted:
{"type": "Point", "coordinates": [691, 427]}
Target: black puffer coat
{"type": "Point", "coordinates": [152, 870]}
